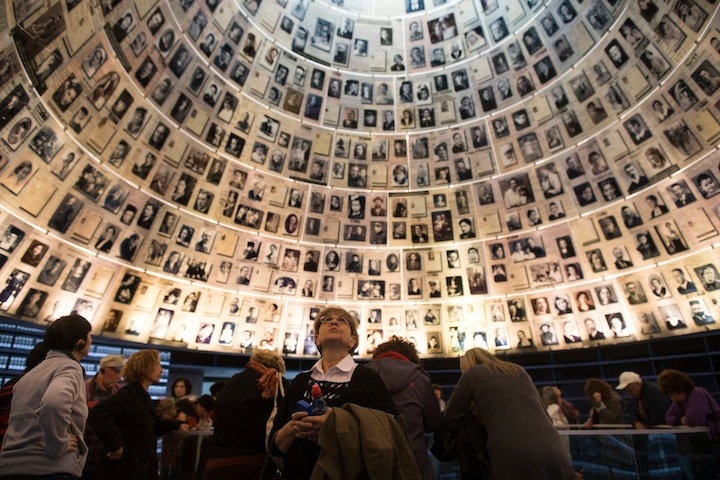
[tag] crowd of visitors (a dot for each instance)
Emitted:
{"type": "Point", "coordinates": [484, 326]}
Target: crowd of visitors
{"type": "Point", "coordinates": [325, 423]}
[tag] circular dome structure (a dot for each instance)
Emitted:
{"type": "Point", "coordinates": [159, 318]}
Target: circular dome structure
{"type": "Point", "coordinates": [512, 175]}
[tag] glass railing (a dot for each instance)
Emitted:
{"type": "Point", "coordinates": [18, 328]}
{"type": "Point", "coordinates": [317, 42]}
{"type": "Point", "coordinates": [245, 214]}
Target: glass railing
{"type": "Point", "coordinates": [619, 453]}
{"type": "Point", "coordinates": [613, 453]}
{"type": "Point", "coordinates": [658, 454]}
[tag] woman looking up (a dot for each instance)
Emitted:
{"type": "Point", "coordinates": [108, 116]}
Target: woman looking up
{"type": "Point", "coordinates": [294, 434]}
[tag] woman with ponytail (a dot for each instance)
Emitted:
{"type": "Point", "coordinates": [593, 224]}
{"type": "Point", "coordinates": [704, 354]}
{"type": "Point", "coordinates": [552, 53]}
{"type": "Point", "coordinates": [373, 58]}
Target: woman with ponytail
{"type": "Point", "coordinates": [44, 438]}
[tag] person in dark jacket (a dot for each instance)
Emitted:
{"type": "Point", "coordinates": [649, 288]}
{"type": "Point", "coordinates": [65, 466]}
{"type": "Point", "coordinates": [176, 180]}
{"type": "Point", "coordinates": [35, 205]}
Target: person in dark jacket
{"type": "Point", "coordinates": [244, 405]}
{"type": "Point", "coordinates": [650, 403]}
{"type": "Point", "coordinates": [409, 385]}
{"type": "Point", "coordinates": [294, 434]}
{"type": "Point", "coordinates": [127, 423]}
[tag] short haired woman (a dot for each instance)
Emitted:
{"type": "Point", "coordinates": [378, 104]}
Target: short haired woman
{"type": "Point", "coordinates": [691, 406]}
{"type": "Point", "coordinates": [398, 364]}
{"type": "Point", "coordinates": [127, 423]}
{"type": "Point", "coordinates": [294, 434]}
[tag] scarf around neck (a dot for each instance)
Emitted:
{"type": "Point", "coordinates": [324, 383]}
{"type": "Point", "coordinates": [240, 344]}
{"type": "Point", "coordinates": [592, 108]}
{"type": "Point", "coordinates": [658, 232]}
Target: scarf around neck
{"type": "Point", "coordinates": [268, 381]}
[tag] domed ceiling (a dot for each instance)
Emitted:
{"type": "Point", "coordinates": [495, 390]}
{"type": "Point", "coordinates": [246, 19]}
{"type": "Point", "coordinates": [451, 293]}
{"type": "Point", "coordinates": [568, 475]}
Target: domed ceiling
{"type": "Point", "coordinates": [515, 175]}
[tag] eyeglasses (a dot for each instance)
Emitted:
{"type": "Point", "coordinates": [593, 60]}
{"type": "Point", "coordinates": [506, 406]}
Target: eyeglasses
{"type": "Point", "coordinates": [329, 319]}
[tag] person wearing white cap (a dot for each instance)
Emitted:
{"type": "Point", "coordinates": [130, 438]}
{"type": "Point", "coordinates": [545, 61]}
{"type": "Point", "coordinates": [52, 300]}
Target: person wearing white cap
{"type": "Point", "coordinates": [650, 403]}
{"type": "Point", "coordinates": [106, 381]}
{"type": "Point", "coordinates": [104, 384]}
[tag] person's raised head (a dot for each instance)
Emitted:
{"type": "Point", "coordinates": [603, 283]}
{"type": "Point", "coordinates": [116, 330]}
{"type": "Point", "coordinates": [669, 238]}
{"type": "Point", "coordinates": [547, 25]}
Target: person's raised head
{"type": "Point", "coordinates": [181, 387]}
{"type": "Point", "coordinates": [112, 361]}
{"type": "Point", "coordinates": [337, 314]}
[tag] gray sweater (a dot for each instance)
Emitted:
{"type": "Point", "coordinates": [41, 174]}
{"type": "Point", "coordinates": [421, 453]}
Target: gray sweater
{"type": "Point", "coordinates": [48, 406]}
{"type": "Point", "coordinates": [522, 442]}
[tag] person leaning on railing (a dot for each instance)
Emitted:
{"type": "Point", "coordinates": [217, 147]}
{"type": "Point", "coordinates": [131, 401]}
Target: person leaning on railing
{"type": "Point", "coordinates": [607, 407]}
{"type": "Point", "coordinates": [552, 405]}
{"type": "Point", "coordinates": [691, 406]}
{"type": "Point", "coordinates": [650, 403]}
{"type": "Point", "coordinates": [498, 398]}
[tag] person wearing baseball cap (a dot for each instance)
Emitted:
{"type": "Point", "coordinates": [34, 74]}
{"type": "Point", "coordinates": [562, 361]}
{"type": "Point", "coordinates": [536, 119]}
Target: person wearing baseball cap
{"type": "Point", "coordinates": [106, 381]}
{"type": "Point", "coordinates": [650, 403]}
{"type": "Point", "coordinates": [104, 384]}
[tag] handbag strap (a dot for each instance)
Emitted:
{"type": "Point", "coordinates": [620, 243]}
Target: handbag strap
{"type": "Point", "coordinates": [279, 395]}
{"type": "Point", "coordinates": [280, 390]}
{"type": "Point", "coordinates": [266, 464]}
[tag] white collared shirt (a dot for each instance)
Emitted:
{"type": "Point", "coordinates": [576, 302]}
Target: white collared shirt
{"type": "Point", "coordinates": [340, 373]}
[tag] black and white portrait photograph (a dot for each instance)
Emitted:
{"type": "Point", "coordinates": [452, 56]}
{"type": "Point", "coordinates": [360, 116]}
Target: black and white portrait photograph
{"type": "Point", "coordinates": [67, 92]}
{"type": "Point", "coordinates": [475, 38]}
{"type": "Point", "coordinates": [655, 62]}
{"type": "Point", "coordinates": [682, 138]}
{"type": "Point", "coordinates": [598, 16]}
{"type": "Point", "coordinates": [94, 60]}
{"type": "Point", "coordinates": [323, 35]}
{"type": "Point", "coordinates": [566, 12]}
{"type": "Point", "coordinates": [166, 42]}
{"type": "Point", "coordinates": [616, 53]}
{"type": "Point", "coordinates": [545, 70]}
{"type": "Point", "coordinates": [637, 129]}
{"type": "Point", "coordinates": [669, 33]}
{"type": "Point", "coordinates": [707, 184]}
{"type": "Point", "coordinates": [499, 29]}
{"type": "Point", "coordinates": [690, 14]}
{"type": "Point", "coordinates": [707, 77]}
